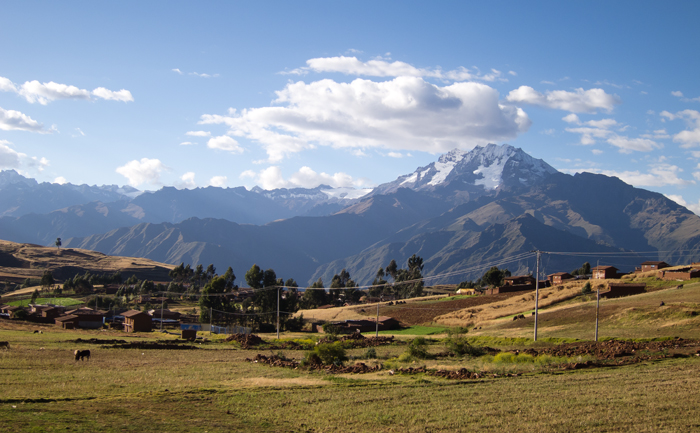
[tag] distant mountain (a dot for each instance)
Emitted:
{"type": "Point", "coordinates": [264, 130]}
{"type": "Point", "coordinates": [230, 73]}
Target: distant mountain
{"type": "Point", "coordinates": [462, 213]}
{"type": "Point", "coordinates": [41, 212]}
{"type": "Point", "coordinates": [460, 176]}
{"type": "Point", "coordinates": [21, 196]}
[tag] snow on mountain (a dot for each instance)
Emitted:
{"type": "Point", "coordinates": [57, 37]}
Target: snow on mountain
{"type": "Point", "coordinates": [488, 168]}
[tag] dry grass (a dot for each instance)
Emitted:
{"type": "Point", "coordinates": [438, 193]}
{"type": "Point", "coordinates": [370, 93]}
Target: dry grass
{"type": "Point", "coordinates": [212, 389]}
{"type": "Point", "coordinates": [513, 305]}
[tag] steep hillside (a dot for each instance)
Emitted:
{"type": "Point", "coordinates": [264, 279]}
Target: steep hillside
{"type": "Point", "coordinates": [21, 261]}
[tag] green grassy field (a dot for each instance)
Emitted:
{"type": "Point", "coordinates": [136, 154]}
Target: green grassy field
{"type": "Point", "coordinates": [66, 302]}
{"type": "Point", "coordinates": [212, 389]}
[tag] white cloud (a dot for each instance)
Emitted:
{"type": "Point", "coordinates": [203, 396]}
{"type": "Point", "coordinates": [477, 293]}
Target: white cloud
{"type": "Point", "coordinates": [60, 180]}
{"type": "Point", "coordinates": [198, 133]}
{"type": "Point", "coordinates": [658, 175]}
{"type": "Point", "coordinates": [677, 93]}
{"type": "Point", "coordinates": [144, 171]}
{"type": "Point", "coordinates": [219, 181]}
{"type": "Point", "coordinates": [571, 118]}
{"type": "Point", "coordinates": [79, 133]}
{"type": "Point", "coordinates": [10, 158]}
{"type": "Point", "coordinates": [177, 70]}
{"type": "Point", "coordinates": [579, 101]}
{"type": "Point", "coordinates": [679, 199]}
{"type": "Point", "coordinates": [628, 145]}
{"type": "Point", "coordinates": [406, 113]}
{"type": "Point", "coordinates": [551, 83]}
{"type": "Point", "coordinates": [43, 93]}
{"type": "Point", "coordinates": [197, 74]}
{"type": "Point", "coordinates": [14, 120]}
{"type": "Point", "coordinates": [549, 131]}
{"type": "Point", "coordinates": [695, 153]}
{"type": "Point", "coordinates": [513, 73]}
{"type": "Point", "coordinates": [7, 85]}
{"type": "Point", "coordinates": [690, 137]}
{"type": "Point", "coordinates": [187, 180]}
{"type": "Point", "coordinates": [110, 95]}
{"type": "Point", "coordinates": [382, 68]}
{"type": "Point", "coordinates": [395, 154]}
{"type": "Point", "coordinates": [226, 143]}
{"type": "Point", "coordinates": [272, 178]}
{"type": "Point", "coordinates": [597, 151]}
{"type": "Point", "coordinates": [187, 143]}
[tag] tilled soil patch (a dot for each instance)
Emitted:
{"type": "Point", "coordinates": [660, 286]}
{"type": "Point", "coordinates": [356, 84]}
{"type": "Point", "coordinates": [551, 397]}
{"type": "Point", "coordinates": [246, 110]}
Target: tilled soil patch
{"type": "Point", "coordinates": [612, 349]}
{"type": "Point", "coordinates": [246, 340]}
{"type": "Point", "coordinates": [146, 345]}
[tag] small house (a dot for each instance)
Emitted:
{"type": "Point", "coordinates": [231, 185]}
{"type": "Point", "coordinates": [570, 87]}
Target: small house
{"type": "Point", "coordinates": [604, 273]}
{"type": "Point", "coordinates": [559, 278]}
{"type": "Point", "coordinates": [682, 274]}
{"type": "Point", "coordinates": [85, 318]}
{"type": "Point", "coordinates": [653, 266]}
{"type": "Point", "coordinates": [137, 321]}
{"type": "Point", "coordinates": [620, 290]}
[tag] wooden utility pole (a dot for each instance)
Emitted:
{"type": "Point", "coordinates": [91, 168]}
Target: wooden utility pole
{"type": "Point", "coordinates": [377, 322]}
{"type": "Point", "coordinates": [537, 290]}
{"type": "Point", "coordinates": [278, 313]}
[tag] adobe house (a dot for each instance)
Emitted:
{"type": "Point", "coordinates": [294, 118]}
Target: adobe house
{"type": "Point", "coordinates": [85, 318]}
{"type": "Point", "coordinates": [683, 274]}
{"type": "Point", "coordinates": [620, 290]}
{"type": "Point", "coordinates": [166, 314]}
{"type": "Point", "coordinates": [69, 321]}
{"type": "Point", "coordinates": [137, 321]}
{"type": "Point", "coordinates": [519, 280]}
{"type": "Point", "coordinates": [559, 278]}
{"type": "Point", "coordinates": [604, 273]}
{"type": "Point", "coordinates": [653, 266]}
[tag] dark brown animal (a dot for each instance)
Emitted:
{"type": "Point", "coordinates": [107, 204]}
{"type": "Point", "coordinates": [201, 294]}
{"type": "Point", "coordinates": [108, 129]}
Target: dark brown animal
{"type": "Point", "coordinates": [82, 354]}
{"type": "Point", "coordinates": [5, 344]}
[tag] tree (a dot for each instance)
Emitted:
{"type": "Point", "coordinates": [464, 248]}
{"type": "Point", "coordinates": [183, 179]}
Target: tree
{"type": "Point", "coordinates": [494, 276]}
{"type": "Point", "coordinates": [314, 296]}
{"type": "Point", "coordinates": [230, 279]}
{"type": "Point", "coordinates": [35, 295]}
{"type": "Point", "coordinates": [254, 277]}
{"type": "Point", "coordinates": [213, 298]}
{"type": "Point", "coordinates": [47, 280]}
{"type": "Point", "coordinates": [378, 284]}
{"type": "Point", "coordinates": [392, 269]}
{"type": "Point", "coordinates": [58, 243]}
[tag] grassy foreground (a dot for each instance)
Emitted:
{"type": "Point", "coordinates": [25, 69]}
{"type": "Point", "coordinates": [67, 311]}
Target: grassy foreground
{"type": "Point", "coordinates": [211, 388]}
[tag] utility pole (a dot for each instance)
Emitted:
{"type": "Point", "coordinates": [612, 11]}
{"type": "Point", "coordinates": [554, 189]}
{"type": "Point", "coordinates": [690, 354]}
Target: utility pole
{"type": "Point", "coordinates": [278, 313]}
{"type": "Point", "coordinates": [537, 290]}
{"type": "Point", "coordinates": [162, 304]}
{"type": "Point", "coordinates": [376, 321]}
{"type": "Point", "coordinates": [211, 312]}
{"type": "Point", "coordinates": [597, 304]}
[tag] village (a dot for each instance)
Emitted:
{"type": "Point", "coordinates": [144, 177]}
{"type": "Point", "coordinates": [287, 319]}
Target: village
{"type": "Point", "coordinates": [189, 325]}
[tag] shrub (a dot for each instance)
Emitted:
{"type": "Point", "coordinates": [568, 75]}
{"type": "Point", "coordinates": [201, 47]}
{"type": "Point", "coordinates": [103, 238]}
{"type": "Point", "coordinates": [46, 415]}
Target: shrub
{"type": "Point", "coordinates": [459, 346]}
{"type": "Point", "coordinates": [326, 353]}
{"type": "Point", "coordinates": [330, 328]}
{"type": "Point", "coordinates": [586, 289]}
{"type": "Point", "coordinates": [418, 348]}
{"type": "Point", "coordinates": [371, 353]}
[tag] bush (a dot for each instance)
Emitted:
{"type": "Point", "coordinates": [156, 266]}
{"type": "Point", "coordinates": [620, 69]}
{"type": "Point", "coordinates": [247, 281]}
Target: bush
{"type": "Point", "coordinates": [586, 289]}
{"type": "Point", "coordinates": [459, 346]}
{"type": "Point", "coordinates": [330, 329]}
{"type": "Point", "coordinates": [326, 353]}
{"type": "Point", "coordinates": [418, 348]}
{"type": "Point", "coordinates": [371, 353]}
{"type": "Point", "coordinates": [294, 324]}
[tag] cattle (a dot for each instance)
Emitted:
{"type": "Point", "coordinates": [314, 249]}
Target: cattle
{"type": "Point", "coordinates": [82, 354]}
{"type": "Point", "coordinates": [5, 344]}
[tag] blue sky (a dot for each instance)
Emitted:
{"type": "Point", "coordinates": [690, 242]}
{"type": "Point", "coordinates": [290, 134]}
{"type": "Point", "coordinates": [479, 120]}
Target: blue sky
{"type": "Point", "coordinates": [285, 94]}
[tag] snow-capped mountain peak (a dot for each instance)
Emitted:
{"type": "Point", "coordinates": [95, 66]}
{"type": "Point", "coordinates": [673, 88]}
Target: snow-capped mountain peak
{"type": "Point", "coordinates": [486, 168]}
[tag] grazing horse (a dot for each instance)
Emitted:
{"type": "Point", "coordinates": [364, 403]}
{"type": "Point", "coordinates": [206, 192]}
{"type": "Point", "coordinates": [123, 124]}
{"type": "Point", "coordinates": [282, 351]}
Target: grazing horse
{"type": "Point", "coordinates": [5, 344]}
{"type": "Point", "coordinates": [82, 354]}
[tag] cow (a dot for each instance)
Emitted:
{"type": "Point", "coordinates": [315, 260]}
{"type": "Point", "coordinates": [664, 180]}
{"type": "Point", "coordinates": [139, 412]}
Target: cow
{"type": "Point", "coordinates": [5, 344]}
{"type": "Point", "coordinates": [82, 354]}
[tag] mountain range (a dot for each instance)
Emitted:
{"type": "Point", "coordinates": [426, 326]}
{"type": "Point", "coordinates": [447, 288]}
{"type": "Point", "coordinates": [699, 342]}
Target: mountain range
{"type": "Point", "coordinates": [461, 214]}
